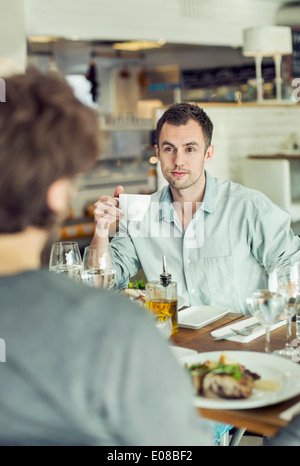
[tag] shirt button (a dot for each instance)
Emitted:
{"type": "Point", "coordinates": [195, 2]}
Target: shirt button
{"type": "Point", "coordinates": [193, 291]}
{"type": "Point", "coordinates": [188, 261]}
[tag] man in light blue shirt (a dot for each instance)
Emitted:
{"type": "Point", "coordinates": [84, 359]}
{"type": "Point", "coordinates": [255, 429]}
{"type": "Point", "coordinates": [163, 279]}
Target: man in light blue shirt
{"type": "Point", "coordinates": [220, 239]}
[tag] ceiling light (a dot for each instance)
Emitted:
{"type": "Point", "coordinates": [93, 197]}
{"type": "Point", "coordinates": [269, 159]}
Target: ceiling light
{"type": "Point", "coordinates": [42, 39]}
{"type": "Point", "coordinates": [136, 45]}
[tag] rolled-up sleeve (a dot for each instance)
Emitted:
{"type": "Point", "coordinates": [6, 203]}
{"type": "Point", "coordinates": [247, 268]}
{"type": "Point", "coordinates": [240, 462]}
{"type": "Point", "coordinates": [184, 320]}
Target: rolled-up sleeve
{"type": "Point", "coordinates": [124, 258]}
{"type": "Point", "coordinates": [272, 238]}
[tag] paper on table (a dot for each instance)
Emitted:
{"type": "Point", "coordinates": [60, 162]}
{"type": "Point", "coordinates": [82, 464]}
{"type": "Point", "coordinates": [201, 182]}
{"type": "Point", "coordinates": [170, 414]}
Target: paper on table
{"type": "Point", "coordinates": [291, 412]}
{"type": "Point", "coordinates": [257, 332]}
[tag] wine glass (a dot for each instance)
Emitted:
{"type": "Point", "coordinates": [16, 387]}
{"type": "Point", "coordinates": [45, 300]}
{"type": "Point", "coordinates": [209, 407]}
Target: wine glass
{"type": "Point", "coordinates": [295, 282]}
{"type": "Point", "coordinates": [283, 281]}
{"type": "Point", "coordinates": [97, 268]}
{"type": "Point", "coordinates": [267, 307]}
{"type": "Point", "coordinates": [65, 258]}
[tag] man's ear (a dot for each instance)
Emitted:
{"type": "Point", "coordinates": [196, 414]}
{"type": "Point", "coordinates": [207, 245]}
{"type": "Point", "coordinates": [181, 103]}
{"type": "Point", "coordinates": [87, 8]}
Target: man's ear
{"type": "Point", "coordinates": [156, 151]}
{"type": "Point", "coordinates": [60, 194]}
{"type": "Point", "coordinates": [209, 153]}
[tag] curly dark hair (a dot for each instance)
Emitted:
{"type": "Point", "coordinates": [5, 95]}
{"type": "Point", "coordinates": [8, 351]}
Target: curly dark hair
{"type": "Point", "coordinates": [46, 134]}
{"type": "Point", "coordinates": [180, 113]}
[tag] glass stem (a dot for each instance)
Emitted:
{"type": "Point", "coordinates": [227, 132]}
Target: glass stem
{"type": "Point", "coordinates": [289, 332]}
{"type": "Point", "coordinates": [267, 343]}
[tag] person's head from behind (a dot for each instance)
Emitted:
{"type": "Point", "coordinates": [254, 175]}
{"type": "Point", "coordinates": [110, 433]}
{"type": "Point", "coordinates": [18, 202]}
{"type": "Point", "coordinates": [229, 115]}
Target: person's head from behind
{"type": "Point", "coordinates": [47, 137]}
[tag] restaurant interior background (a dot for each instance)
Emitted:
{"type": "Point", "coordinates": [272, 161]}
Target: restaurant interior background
{"type": "Point", "coordinates": [129, 59]}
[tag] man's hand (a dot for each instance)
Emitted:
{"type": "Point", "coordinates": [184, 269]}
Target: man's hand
{"type": "Point", "coordinates": [106, 210]}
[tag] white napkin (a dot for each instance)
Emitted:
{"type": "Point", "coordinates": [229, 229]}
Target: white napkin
{"type": "Point", "coordinates": [291, 412]}
{"type": "Point", "coordinates": [257, 332]}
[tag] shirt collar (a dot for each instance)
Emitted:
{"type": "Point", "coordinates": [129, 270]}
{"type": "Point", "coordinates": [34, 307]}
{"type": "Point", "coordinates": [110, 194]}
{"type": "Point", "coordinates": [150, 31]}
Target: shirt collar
{"type": "Point", "coordinates": [166, 210]}
{"type": "Point", "coordinates": [208, 204]}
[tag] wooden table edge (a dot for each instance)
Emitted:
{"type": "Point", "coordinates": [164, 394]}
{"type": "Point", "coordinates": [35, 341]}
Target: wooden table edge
{"type": "Point", "coordinates": [235, 418]}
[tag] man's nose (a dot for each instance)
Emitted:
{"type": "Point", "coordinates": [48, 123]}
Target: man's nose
{"type": "Point", "coordinates": [179, 158]}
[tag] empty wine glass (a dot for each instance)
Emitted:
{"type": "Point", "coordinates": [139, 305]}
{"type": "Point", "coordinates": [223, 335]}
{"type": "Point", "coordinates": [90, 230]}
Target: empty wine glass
{"type": "Point", "coordinates": [65, 258]}
{"type": "Point", "coordinates": [97, 268]}
{"type": "Point", "coordinates": [282, 280]}
{"type": "Point", "coordinates": [267, 307]}
{"type": "Point", "coordinates": [295, 281]}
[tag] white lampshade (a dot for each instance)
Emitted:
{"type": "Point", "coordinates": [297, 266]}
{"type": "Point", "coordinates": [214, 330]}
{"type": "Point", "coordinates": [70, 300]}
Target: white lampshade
{"type": "Point", "coordinates": [267, 41]}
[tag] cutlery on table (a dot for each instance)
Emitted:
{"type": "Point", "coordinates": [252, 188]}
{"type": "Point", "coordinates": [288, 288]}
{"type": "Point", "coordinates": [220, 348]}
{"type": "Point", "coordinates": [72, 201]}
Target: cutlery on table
{"type": "Point", "coordinates": [244, 332]}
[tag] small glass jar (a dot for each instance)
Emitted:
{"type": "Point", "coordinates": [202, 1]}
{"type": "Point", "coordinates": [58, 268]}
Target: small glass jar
{"type": "Point", "coordinates": [161, 299]}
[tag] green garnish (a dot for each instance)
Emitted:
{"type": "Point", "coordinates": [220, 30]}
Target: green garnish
{"type": "Point", "coordinates": [137, 284]}
{"type": "Point", "coordinates": [233, 370]}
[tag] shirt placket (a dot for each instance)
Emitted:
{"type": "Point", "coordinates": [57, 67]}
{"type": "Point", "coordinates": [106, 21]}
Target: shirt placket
{"type": "Point", "coordinates": [193, 266]}
{"type": "Point", "coordinates": [189, 267]}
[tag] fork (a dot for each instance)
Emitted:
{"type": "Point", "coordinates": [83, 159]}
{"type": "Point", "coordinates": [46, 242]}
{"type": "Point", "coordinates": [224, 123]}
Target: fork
{"type": "Point", "coordinates": [246, 331]}
{"type": "Point", "coordinates": [243, 332]}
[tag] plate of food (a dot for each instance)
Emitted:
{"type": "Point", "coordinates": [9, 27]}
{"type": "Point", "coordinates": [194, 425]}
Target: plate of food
{"type": "Point", "coordinates": [241, 379]}
{"type": "Point", "coordinates": [136, 291]}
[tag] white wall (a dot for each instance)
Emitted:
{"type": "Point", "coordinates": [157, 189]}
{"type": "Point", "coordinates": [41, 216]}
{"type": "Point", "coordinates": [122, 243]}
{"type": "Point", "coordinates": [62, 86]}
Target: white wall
{"type": "Point", "coordinates": [241, 131]}
{"type": "Point", "coordinates": [125, 91]}
{"type": "Point", "coordinates": [211, 22]}
{"type": "Point", "coordinates": [12, 36]}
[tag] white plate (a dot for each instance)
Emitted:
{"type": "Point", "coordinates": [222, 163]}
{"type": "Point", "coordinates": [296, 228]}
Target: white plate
{"type": "Point", "coordinates": [270, 367]}
{"type": "Point", "coordinates": [199, 316]}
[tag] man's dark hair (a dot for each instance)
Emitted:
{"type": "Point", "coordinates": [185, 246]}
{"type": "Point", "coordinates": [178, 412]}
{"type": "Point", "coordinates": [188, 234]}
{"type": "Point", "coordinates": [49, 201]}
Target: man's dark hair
{"type": "Point", "coordinates": [45, 134]}
{"type": "Point", "coordinates": [180, 113]}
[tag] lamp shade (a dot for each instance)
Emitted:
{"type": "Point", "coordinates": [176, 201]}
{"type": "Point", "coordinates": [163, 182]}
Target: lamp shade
{"type": "Point", "coordinates": [267, 41]}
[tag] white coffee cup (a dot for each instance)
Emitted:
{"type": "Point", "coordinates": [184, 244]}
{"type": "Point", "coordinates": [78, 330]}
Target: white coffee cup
{"type": "Point", "coordinates": [134, 206]}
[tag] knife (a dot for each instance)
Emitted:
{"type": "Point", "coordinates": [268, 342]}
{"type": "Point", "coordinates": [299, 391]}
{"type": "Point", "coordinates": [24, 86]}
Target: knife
{"type": "Point", "coordinates": [233, 334]}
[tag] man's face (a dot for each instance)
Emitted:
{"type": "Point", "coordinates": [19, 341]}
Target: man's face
{"type": "Point", "coordinates": [181, 151]}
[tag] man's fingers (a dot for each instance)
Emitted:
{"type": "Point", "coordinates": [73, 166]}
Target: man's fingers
{"type": "Point", "coordinates": [119, 190]}
{"type": "Point", "coordinates": [106, 213]}
{"type": "Point", "coordinates": [106, 210]}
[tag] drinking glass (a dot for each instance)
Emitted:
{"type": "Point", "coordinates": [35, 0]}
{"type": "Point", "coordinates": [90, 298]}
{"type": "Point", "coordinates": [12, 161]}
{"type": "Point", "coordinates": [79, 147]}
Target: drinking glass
{"type": "Point", "coordinates": [164, 325]}
{"type": "Point", "coordinates": [295, 280]}
{"type": "Point", "coordinates": [97, 268]}
{"type": "Point", "coordinates": [267, 307]}
{"type": "Point", "coordinates": [282, 281]}
{"type": "Point", "coordinates": [65, 258]}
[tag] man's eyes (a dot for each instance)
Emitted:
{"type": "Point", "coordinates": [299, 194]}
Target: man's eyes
{"type": "Point", "coordinates": [173, 149]}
